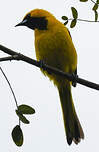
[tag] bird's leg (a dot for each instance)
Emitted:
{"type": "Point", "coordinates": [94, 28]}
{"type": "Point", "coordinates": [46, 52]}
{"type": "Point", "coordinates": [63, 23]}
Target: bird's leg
{"type": "Point", "coordinates": [74, 83]}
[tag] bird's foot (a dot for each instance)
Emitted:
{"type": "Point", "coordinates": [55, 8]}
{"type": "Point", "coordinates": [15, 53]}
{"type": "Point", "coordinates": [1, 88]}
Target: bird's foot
{"type": "Point", "coordinates": [41, 63]}
{"type": "Point", "coordinates": [74, 82]}
{"type": "Point", "coordinates": [43, 66]}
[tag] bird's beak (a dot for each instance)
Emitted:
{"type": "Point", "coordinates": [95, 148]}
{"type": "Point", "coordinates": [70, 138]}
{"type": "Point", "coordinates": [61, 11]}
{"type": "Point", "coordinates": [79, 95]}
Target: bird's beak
{"type": "Point", "coordinates": [23, 23]}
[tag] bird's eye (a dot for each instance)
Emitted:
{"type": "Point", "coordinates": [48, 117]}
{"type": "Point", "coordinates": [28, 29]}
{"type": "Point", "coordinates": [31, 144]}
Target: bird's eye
{"type": "Point", "coordinates": [27, 16]}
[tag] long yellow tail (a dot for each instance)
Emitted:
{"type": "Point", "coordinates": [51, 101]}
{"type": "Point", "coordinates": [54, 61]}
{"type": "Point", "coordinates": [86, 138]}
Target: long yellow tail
{"type": "Point", "coordinates": [72, 125]}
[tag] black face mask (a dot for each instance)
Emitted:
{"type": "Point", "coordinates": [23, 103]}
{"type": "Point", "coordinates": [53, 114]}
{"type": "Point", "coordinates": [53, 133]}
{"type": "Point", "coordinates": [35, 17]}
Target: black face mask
{"type": "Point", "coordinates": [34, 22]}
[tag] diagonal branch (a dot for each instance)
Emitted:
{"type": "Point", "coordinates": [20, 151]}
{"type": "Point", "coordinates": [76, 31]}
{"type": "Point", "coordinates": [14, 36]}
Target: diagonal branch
{"type": "Point", "coordinates": [70, 77]}
{"type": "Point", "coordinates": [93, 1]}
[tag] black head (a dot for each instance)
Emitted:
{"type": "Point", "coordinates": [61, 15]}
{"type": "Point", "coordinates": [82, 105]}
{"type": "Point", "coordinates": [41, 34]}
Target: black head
{"type": "Point", "coordinates": [33, 23]}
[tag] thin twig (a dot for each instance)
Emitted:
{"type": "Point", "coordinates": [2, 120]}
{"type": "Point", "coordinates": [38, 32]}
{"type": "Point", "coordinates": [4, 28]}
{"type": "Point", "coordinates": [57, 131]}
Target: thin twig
{"type": "Point", "coordinates": [83, 20]}
{"type": "Point", "coordinates": [9, 58]}
{"type": "Point", "coordinates": [11, 90]}
{"type": "Point", "coordinates": [9, 86]}
{"type": "Point", "coordinates": [70, 77]}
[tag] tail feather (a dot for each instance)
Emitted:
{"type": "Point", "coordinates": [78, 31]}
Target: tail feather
{"type": "Point", "coordinates": [72, 125]}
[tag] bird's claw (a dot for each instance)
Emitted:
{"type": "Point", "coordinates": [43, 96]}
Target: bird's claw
{"type": "Point", "coordinates": [43, 66]}
{"type": "Point", "coordinates": [41, 63]}
{"type": "Point", "coordinates": [74, 83]}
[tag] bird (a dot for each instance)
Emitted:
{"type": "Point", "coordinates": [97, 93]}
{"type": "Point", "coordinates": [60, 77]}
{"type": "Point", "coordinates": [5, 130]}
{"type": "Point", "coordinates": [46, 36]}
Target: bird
{"type": "Point", "coordinates": [54, 47]}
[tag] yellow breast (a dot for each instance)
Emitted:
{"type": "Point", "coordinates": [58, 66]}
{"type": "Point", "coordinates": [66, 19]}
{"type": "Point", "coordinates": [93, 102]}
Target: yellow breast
{"type": "Point", "coordinates": [54, 46]}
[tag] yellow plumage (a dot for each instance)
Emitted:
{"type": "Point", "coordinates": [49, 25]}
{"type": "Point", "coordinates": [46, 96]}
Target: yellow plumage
{"type": "Point", "coordinates": [54, 46]}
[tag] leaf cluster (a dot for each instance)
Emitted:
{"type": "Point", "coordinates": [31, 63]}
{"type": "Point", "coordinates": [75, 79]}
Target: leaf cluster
{"type": "Point", "coordinates": [75, 14]}
{"type": "Point", "coordinates": [74, 20]}
{"type": "Point", "coordinates": [17, 134]}
{"type": "Point", "coordinates": [95, 8]}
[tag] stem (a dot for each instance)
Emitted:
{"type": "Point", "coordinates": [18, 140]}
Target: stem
{"type": "Point", "coordinates": [9, 86]}
{"type": "Point", "coordinates": [83, 20]}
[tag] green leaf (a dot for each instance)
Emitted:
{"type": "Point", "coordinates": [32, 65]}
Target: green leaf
{"type": "Point", "coordinates": [21, 117]}
{"type": "Point", "coordinates": [96, 16]}
{"type": "Point", "coordinates": [17, 135]}
{"type": "Point", "coordinates": [73, 23]}
{"type": "Point", "coordinates": [95, 7]}
{"type": "Point", "coordinates": [83, 0]}
{"type": "Point", "coordinates": [97, 1]}
{"type": "Point", "coordinates": [64, 17]}
{"type": "Point", "coordinates": [74, 13]}
{"type": "Point", "coordinates": [66, 22]}
{"type": "Point", "coordinates": [25, 109]}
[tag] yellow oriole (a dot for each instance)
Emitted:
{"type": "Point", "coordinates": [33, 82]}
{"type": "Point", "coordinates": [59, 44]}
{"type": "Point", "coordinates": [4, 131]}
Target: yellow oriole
{"type": "Point", "coordinates": [54, 46]}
